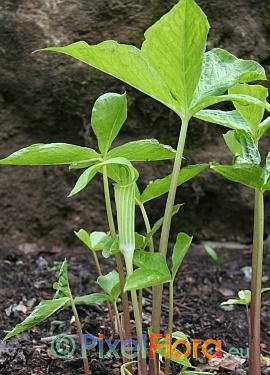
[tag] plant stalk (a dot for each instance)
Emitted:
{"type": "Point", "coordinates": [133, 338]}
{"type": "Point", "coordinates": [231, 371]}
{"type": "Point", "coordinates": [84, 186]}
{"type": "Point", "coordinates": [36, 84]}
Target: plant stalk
{"type": "Point", "coordinates": [79, 329]}
{"type": "Point", "coordinates": [256, 281]}
{"type": "Point", "coordinates": [170, 325]}
{"type": "Point", "coordinates": [137, 317]}
{"type": "Point", "coordinates": [107, 302]}
{"type": "Point", "coordinates": [119, 264]}
{"type": "Point", "coordinates": [147, 226]}
{"type": "Point", "coordinates": [164, 238]}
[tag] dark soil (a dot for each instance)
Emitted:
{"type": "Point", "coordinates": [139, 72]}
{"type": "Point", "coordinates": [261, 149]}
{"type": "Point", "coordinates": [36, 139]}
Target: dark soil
{"type": "Point", "coordinates": [27, 274]}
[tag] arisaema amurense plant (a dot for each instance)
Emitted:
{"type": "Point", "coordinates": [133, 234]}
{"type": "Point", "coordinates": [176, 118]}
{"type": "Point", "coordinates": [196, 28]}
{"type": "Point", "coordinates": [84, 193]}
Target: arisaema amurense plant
{"type": "Point", "coordinates": [173, 67]}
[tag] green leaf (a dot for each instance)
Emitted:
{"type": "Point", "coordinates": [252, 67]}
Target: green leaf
{"type": "Point", "coordinates": [108, 115]}
{"type": "Point", "coordinates": [90, 173]}
{"type": "Point", "coordinates": [180, 249]}
{"type": "Point", "coordinates": [92, 298]}
{"type": "Point", "coordinates": [151, 261]}
{"type": "Point", "coordinates": [239, 98]}
{"type": "Point", "coordinates": [246, 174]}
{"type": "Point", "coordinates": [251, 113]}
{"type": "Point", "coordinates": [168, 66]}
{"type": "Point", "coordinates": [111, 284]}
{"type": "Point", "coordinates": [85, 178]}
{"type": "Point", "coordinates": [40, 313]}
{"type": "Point", "coordinates": [263, 127]}
{"type": "Point", "coordinates": [95, 241]}
{"type": "Point", "coordinates": [111, 247]}
{"type": "Point", "coordinates": [230, 119]}
{"type": "Point", "coordinates": [243, 147]}
{"type": "Point", "coordinates": [250, 153]}
{"type": "Point", "coordinates": [143, 278]}
{"type": "Point", "coordinates": [84, 164]}
{"type": "Point", "coordinates": [221, 70]}
{"type": "Point", "coordinates": [266, 170]}
{"type": "Point", "coordinates": [162, 186]}
{"type": "Point", "coordinates": [175, 46]}
{"type": "Point", "coordinates": [50, 154]}
{"type": "Point", "coordinates": [159, 223]}
{"type": "Point", "coordinates": [124, 62]}
{"type": "Point", "coordinates": [232, 143]}
{"type": "Point", "coordinates": [62, 285]}
{"type": "Point", "coordinates": [244, 299]}
{"type": "Point", "coordinates": [211, 252]}
{"type": "Point", "coordinates": [139, 241]}
{"type": "Point", "coordinates": [143, 150]}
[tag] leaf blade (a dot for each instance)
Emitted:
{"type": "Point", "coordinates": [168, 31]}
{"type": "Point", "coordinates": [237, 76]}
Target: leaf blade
{"type": "Point", "coordinates": [162, 186]}
{"type": "Point", "coordinates": [108, 115]}
{"type": "Point", "coordinates": [180, 67]}
{"type": "Point", "coordinates": [246, 174]}
{"type": "Point", "coordinates": [143, 150]}
{"type": "Point", "coordinates": [251, 113]}
{"type": "Point", "coordinates": [221, 70]}
{"type": "Point", "coordinates": [183, 242]}
{"type": "Point", "coordinates": [230, 119]}
{"type": "Point", "coordinates": [141, 278]}
{"type": "Point", "coordinates": [92, 298]}
{"type": "Point", "coordinates": [121, 61]}
{"type": "Point", "coordinates": [50, 154]}
{"type": "Point", "coordinates": [41, 312]}
{"type": "Point", "coordinates": [151, 261]}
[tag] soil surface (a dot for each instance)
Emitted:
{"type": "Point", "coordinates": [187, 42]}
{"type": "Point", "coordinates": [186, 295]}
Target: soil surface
{"type": "Point", "coordinates": [28, 272]}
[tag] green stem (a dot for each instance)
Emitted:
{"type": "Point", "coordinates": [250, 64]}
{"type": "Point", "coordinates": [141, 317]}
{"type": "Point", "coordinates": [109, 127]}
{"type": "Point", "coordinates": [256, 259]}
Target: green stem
{"type": "Point", "coordinates": [108, 203]}
{"type": "Point", "coordinates": [147, 226]}
{"type": "Point", "coordinates": [107, 302]}
{"type": "Point", "coordinates": [170, 325]}
{"type": "Point", "coordinates": [118, 259]}
{"type": "Point", "coordinates": [137, 316]}
{"type": "Point", "coordinates": [164, 239]}
{"type": "Point", "coordinates": [97, 263]}
{"type": "Point", "coordinates": [124, 296]}
{"type": "Point", "coordinates": [118, 322]}
{"type": "Point", "coordinates": [79, 329]}
{"type": "Point", "coordinates": [255, 306]}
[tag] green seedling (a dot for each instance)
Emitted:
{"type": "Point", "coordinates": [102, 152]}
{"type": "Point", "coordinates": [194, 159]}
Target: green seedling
{"type": "Point", "coordinates": [172, 67]}
{"type": "Point", "coordinates": [212, 253]}
{"type": "Point", "coordinates": [95, 241]}
{"type": "Point", "coordinates": [218, 259]}
{"type": "Point", "coordinates": [62, 299]}
{"type": "Point", "coordinates": [244, 299]}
